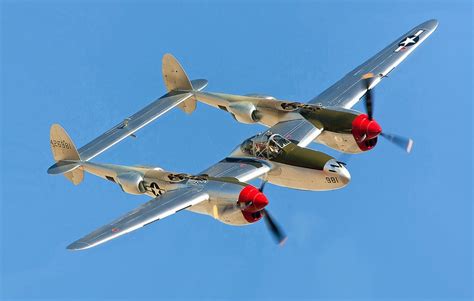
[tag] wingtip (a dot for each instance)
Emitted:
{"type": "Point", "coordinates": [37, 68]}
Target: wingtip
{"type": "Point", "coordinates": [77, 246]}
{"type": "Point", "coordinates": [430, 24]}
{"type": "Point", "coordinates": [409, 145]}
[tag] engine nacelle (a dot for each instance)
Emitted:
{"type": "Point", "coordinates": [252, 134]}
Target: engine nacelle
{"type": "Point", "coordinates": [345, 130]}
{"type": "Point", "coordinates": [131, 182]}
{"type": "Point", "coordinates": [245, 112]}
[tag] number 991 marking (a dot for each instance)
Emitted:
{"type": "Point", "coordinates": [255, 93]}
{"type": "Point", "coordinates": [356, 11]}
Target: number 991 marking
{"type": "Point", "coordinates": [332, 180]}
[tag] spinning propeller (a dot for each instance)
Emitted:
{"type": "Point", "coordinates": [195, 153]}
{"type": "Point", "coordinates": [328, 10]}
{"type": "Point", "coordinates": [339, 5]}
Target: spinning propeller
{"type": "Point", "coordinates": [400, 141]}
{"type": "Point", "coordinates": [252, 203]}
{"type": "Point", "coordinates": [278, 234]}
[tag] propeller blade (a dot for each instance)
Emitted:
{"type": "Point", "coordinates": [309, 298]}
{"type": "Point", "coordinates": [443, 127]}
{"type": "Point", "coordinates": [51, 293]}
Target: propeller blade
{"type": "Point", "coordinates": [344, 158]}
{"type": "Point", "coordinates": [276, 231]}
{"type": "Point", "coordinates": [369, 102]}
{"type": "Point", "coordinates": [262, 186]}
{"type": "Point", "coordinates": [402, 142]}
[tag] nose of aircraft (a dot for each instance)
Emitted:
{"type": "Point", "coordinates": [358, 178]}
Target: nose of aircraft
{"type": "Point", "coordinates": [344, 175]}
{"type": "Point", "coordinates": [333, 167]}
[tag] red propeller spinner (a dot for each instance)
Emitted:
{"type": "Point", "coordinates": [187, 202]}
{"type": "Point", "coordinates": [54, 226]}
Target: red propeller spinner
{"type": "Point", "coordinates": [253, 200]}
{"type": "Point", "coordinates": [365, 131]}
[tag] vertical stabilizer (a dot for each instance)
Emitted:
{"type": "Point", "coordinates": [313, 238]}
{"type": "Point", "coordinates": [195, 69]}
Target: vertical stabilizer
{"type": "Point", "coordinates": [175, 79]}
{"type": "Point", "coordinates": [65, 154]}
{"type": "Point", "coordinates": [174, 76]}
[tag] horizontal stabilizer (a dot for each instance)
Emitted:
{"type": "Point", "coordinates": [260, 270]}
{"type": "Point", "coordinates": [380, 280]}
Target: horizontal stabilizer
{"type": "Point", "coordinates": [199, 84]}
{"type": "Point", "coordinates": [63, 167]}
{"type": "Point", "coordinates": [180, 93]}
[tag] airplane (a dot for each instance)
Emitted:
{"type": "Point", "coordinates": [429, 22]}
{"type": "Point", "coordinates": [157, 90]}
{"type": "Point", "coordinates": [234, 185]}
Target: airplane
{"type": "Point", "coordinates": [278, 155]}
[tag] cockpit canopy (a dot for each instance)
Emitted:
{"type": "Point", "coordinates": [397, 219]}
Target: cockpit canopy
{"type": "Point", "coordinates": [266, 145]}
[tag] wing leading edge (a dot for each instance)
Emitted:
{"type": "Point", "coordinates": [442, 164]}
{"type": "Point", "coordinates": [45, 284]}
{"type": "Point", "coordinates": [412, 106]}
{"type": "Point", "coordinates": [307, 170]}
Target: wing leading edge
{"type": "Point", "coordinates": [349, 90]}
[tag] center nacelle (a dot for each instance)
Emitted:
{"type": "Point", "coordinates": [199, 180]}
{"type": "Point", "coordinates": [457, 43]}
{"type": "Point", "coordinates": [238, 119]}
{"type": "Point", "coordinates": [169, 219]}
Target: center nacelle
{"type": "Point", "coordinates": [294, 166]}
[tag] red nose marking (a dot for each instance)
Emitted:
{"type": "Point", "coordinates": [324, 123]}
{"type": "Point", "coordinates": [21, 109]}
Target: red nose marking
{"type": "Point", "coordinates": [254, 198]}
{"type": "Point", "coordinates": [365, 131]}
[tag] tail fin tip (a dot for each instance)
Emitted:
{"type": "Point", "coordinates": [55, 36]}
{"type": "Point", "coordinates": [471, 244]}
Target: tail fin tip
{"type": "Point", "coordinates": [174, 76]}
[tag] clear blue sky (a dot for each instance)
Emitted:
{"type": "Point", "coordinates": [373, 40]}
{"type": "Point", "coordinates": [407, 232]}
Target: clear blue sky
{"type": "Point", "coordinates": [401, 230]}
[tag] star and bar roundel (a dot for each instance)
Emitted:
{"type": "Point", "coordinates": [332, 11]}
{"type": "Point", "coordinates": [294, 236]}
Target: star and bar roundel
{"type": "Point", "coordinates": [155, 189]}
{"type": "Point", "coordinates": [409, 41]}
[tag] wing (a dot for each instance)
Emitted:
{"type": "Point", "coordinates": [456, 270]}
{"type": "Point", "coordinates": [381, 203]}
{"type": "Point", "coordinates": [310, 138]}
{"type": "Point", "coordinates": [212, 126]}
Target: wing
{"type": "Point", "coordinates": [349, 90]}
{"type": "Point", "coordinates": [150, 212]}
{"type": "Point", "coordinates": [242, 168]}
{"type": "Point", "coordinates": [299, 130]}
{"type": "Point", "coordinates": [132, 124]}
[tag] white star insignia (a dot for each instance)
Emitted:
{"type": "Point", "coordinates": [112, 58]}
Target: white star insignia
{"type": "Point", "coordinates": [155, 190]}
{"type": "Point", "coordinates": [408, 40]}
